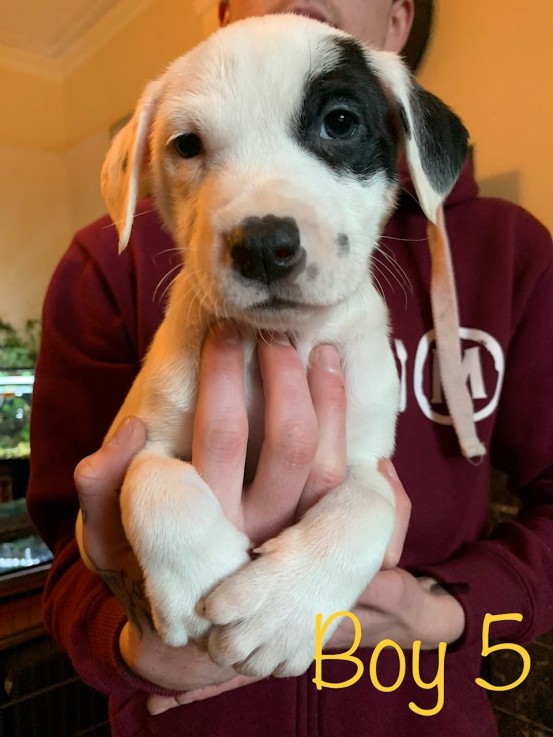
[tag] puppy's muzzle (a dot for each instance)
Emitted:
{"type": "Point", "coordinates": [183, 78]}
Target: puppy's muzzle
{"type": "Point", "coordinates": [267, 249]}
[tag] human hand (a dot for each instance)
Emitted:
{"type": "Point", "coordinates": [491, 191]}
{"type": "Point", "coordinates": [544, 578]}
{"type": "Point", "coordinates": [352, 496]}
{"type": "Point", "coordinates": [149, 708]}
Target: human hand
{"type": "Point", "coordinates": [392, 555]}
{"type": "Point", "coordinates": [398, 606]}
{"type": "Point", "coordinates": [98, 479]}
{"type": "Point", "coordinates": [303, 453]}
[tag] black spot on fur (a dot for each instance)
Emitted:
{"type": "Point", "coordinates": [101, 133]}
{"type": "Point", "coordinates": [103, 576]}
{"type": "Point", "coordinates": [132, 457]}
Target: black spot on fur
{"type": "Point", "coordinates": [312, 272]}
{"type": "Point", "coordinates": [124, 162]}
{"type": "Point", "coordinates": [350, 86]}
{"type": "Point", "coordinates": [343, 244]}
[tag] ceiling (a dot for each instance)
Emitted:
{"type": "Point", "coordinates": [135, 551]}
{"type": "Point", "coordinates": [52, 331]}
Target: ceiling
{"type": "Point", "coordinates": [48, 28]}
{"type": "Point", "coordinates": [52, 37]}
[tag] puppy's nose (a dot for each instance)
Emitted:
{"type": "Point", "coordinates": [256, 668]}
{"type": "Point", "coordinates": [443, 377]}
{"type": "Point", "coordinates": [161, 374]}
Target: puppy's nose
{"type": "Point", "coordinates": [266, 249]}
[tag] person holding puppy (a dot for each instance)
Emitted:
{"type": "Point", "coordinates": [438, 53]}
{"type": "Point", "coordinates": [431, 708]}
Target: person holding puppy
{"type": "Point", "coordinates": [437, 588]}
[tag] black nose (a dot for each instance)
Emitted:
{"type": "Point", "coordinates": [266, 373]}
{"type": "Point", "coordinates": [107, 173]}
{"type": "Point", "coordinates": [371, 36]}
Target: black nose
{"type": "Point", "coordinates": [266, 249]}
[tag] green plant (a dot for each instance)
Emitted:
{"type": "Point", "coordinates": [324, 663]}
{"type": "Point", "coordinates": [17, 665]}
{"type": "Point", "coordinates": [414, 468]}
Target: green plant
{"type": "Point", "coordinates": [19, 349]}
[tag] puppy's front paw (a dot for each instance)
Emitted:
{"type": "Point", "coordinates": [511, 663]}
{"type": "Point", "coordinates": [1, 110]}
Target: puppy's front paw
{"type": "Point", "coordinates": [265, 614]}
{"type": "Point", "coordinates": [183, 541]}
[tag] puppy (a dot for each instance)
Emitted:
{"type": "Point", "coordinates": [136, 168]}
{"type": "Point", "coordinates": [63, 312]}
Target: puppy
{"type": "Point", "coordinates": [272, 150]}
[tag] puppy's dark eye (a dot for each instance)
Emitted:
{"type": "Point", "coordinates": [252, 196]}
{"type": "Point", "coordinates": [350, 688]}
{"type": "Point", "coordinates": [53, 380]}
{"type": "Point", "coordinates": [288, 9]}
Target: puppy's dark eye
{"type": "Point", "coordinates": [339, 124]}
{"type": "Point", "coordinates": [188, 145]}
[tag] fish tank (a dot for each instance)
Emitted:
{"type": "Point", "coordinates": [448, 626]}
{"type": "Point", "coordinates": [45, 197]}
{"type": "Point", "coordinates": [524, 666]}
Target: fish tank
{"type": "Point", "coordinates": [16, 388]}
{"type": "Point", "coordinates": [20, 546]}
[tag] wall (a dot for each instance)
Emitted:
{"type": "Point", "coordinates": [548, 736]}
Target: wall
{"type": "Point", "coordinates": [54, 131]}
{"type": "Point", "coordinates": [33, 230]}
{"type": "Point", "coordinates": [492, 62]}
{"type": "Point", "coordinates": [105, 88]}
{"type": "Point", "coordinates": [34, 222]}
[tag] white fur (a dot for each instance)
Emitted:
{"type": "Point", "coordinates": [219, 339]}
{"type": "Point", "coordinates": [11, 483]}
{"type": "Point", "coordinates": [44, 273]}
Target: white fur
{"type": "Point", "coordinates": [239, 90]}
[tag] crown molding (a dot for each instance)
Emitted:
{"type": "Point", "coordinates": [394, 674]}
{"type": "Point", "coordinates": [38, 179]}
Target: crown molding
{"type": "Point", "coordinates": [57, 69]}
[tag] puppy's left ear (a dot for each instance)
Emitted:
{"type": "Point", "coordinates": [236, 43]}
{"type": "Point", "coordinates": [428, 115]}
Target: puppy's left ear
{"type": "Point", "coordinates": [127, 162]}
{"type": "Point", "coordinates": [435, 147]}
{"type": "Point", "coordinates": [435, 139]}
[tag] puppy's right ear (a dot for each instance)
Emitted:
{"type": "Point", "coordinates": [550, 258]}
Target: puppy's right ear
{"type": "Point", "coordinates": [435, 139]}
{"type": "Point", "coordinates": [127, 162]}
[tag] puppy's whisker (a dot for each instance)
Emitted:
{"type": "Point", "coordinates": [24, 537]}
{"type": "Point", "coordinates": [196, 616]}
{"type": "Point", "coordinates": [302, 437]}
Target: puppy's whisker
{"type": "Point", "coordinates": [175, 270]}
{"type": "Point", "coordinates": [402, 240]}
{"type": "Point", "coordinates": [116, 223]}
{"type": "Point", "coordinates": [165, 251]}
{"type": "Point", "coordinates": [394, 267]}
{"type": "Point", "coordinates": [381, 268]}
{"type": "Point", "coordinates": [399, 271]}
{"type": "Point", "coordinates": [378, 285]}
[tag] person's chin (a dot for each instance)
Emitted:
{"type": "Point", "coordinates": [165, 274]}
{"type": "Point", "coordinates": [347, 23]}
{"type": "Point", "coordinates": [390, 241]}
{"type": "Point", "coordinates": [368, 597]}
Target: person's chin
{"type": "Point", "coordinates": [310, 11]}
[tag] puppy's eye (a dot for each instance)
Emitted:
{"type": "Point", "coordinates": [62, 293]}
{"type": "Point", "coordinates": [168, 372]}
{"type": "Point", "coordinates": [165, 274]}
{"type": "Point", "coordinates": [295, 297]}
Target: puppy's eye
{"type": "Point", "coordinates": [188, 145]}
{"type": "Point", "coordinates": [339, 124]}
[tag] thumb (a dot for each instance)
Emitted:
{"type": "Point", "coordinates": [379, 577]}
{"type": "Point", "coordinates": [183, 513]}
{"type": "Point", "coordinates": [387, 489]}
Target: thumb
{"type": "Point", "coordinates": [403, 514]}
{"type": "Point", "coordinates": [98, 479]}
{"type": "Point", "coordinates": [105, 469]}
{"type": "Point", "coordinates": [157, 704]}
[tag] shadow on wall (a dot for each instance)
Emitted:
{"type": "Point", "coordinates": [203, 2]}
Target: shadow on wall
{"type": "Point", "coordinates": [506, 185]}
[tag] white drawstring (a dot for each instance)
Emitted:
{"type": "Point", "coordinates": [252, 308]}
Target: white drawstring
{"type": "Point", "coordinates": [445, 313]}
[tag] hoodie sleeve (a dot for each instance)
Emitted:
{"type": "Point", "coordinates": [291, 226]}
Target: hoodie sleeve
{"type": "Point", "coordinates": [511, 572]}
{"type": "Point", "coordinates": [86, 365]}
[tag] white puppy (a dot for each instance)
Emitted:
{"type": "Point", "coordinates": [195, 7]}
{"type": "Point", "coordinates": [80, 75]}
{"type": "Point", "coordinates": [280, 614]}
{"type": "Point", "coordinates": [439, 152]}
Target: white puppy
{"type": "Point", "coordinates": [272, 150]}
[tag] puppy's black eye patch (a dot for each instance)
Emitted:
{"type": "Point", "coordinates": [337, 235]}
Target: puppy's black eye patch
{"type": "Point", "coordinates": [188, 145]}
{"type": "Point", "coordinates": [344, 118]}
{"type": "Point", "coordinates": [339, 124]}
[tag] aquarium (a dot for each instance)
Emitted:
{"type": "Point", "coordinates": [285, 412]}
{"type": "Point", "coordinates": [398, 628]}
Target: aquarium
{"type": "Point", "coordinates": [16, 388]}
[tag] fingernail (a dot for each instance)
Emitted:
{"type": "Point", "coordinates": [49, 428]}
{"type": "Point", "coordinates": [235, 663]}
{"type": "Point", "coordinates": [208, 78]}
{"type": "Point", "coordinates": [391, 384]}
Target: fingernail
{"type": "Point", "coordinates": [159, 710]}
{"type": "Point", "coordinates": [325, 357]}
{"type": "Point", "coordinates": [122, 433]}
{"type": "Point", "coordinates": [186, 698]}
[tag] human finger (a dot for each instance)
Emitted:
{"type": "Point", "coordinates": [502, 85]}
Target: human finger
{"type": "Point", "coordinates": [220, 433]}
{"type": "Point", "coordinates": [158, 704]}
{"type": "Point", "coordinates": [98, 479]}
{"type": "Point", "coordinates": [290, 441]}
{"type": "Point", "coordinates": [327, 387]}
{"type": "Point", "coordinates": [403, 513]}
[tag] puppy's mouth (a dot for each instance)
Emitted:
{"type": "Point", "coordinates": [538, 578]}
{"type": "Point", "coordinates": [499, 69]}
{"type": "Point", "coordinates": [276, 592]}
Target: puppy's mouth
{"type": "Point", "coordinates": [277, 304]}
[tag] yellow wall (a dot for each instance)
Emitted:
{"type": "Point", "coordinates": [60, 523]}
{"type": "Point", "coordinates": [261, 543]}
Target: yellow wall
{"type": "Point", "coordinates": [490, 60]}
{"type": "Point", "coordinates": [32, 110]}
{"type": "Point", "coordinates": [107, 85]}
{"type": "Point", "coordinates": [105, 88]}
{"type": "Point", "coordinates": [34, 222]}
{"type": "Point", "coordinates": [53, 137]}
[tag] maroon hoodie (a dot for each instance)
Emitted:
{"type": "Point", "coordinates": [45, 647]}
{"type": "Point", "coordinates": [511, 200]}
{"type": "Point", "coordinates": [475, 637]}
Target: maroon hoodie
{"type": "Point", "coordinates": [100, 313]}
